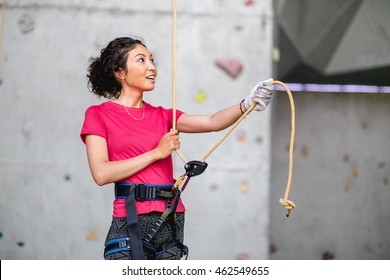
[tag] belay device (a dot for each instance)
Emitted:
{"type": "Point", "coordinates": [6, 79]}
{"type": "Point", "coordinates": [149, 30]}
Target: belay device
{"type": "Point", "coordinates": [195, 167]}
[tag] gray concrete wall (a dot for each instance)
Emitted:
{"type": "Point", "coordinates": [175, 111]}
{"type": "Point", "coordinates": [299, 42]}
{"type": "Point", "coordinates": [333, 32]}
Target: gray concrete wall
{"type": "Point", "coordinates": [341, 177]}
{"type": "Point", "coordinates": [50, 207]}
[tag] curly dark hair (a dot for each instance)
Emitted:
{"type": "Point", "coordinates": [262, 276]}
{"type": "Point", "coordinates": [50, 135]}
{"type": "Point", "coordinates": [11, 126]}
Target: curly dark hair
{"type": "Point", "coordinates": [101, 78]}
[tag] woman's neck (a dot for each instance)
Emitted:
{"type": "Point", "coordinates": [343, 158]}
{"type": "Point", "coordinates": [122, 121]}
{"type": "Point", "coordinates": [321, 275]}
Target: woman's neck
{"type": "Point", "coordinates": [131, 100]}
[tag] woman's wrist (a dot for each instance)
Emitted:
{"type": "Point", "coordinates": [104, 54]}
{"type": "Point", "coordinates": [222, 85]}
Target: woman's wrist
{"type": "Point", "coordinates": [242, 106]}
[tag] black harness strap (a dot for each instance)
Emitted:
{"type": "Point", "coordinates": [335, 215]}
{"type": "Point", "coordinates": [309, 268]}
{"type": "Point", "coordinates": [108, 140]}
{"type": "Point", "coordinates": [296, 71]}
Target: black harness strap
{"type": "Point", "coordinates": [132, 225]}
{"type": "Point", "coordinates": [165, 217]}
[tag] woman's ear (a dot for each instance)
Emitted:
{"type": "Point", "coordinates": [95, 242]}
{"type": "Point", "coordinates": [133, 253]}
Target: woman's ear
{"type": "Point", "coordinates": [120, 75]}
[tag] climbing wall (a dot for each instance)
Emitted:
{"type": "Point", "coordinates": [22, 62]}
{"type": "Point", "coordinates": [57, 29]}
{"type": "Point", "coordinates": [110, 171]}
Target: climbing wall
{"type": "Point", "coordinates": [50, 208]}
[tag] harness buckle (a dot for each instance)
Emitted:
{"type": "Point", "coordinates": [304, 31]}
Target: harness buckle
{"type": "Point", "coordinates": [140, 192]}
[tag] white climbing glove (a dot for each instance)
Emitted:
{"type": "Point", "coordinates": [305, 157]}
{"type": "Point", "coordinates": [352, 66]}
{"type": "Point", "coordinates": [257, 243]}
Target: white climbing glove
{"type": "Point", "coordinates": [261, 94]}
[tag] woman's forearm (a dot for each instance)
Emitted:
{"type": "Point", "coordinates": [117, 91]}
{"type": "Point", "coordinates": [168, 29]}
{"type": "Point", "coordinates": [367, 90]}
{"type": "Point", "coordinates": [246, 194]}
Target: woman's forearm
{"type": "Point", "coordinates": [215, 122]}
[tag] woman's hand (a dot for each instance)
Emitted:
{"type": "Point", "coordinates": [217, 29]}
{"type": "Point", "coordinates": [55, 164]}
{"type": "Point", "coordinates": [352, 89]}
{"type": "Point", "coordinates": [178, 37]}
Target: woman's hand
{"type": "Point", "coordinates": [168, 143]}
{"type": "Point", "coordinates": [261, 94]}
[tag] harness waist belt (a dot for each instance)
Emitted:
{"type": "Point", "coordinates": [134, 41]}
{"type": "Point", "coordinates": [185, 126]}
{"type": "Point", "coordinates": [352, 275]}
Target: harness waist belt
{"type": "Point", "coordinates": [144, 192]}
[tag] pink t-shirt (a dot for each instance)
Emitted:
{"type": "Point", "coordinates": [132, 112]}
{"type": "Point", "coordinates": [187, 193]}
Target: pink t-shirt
{"type": "Point", "coordinates": [127, 138]}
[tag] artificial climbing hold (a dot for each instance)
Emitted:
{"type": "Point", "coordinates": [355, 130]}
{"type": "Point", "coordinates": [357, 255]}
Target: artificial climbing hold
{"type": "Point", "coordinates": [200, 96]}
{"type": "Point", "coordinates": [232, 67]}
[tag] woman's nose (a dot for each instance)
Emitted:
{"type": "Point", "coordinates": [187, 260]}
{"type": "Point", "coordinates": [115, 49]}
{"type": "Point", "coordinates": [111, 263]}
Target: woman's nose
{"type": "Point", "coordinates": [151, 66]}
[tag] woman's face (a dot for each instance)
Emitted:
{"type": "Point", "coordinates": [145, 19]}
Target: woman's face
{"type": "Point", "coordinates": [141, 72]}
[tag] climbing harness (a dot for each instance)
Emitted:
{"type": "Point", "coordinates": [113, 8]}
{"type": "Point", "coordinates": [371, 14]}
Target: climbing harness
{"type": "Point", "coordinates": [201, 165]}
{"type": "Point", "coordinates": [146, 248]}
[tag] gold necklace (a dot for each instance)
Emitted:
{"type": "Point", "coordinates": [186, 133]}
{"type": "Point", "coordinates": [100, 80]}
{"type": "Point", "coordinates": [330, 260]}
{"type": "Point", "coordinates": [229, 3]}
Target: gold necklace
{"type": "Point", "coordinates": [143, 112]}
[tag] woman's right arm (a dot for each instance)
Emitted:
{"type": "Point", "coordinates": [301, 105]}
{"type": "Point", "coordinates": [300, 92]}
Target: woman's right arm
{"type": "Point", "coordinates": [105, 171]}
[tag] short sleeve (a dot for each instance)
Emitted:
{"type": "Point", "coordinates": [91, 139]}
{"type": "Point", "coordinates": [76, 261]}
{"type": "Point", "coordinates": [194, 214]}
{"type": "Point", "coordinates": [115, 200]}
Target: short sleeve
{"type": "Point", "coordinates": [93, 124]}
{"type": "Point", "coordinates": [170, 116]}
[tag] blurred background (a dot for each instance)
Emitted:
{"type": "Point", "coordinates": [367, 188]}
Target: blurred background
{"type": "Point", "coordinates": [333, 55]}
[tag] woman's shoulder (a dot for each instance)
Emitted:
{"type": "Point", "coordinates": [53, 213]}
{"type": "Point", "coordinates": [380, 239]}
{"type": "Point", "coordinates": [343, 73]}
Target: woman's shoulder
{"type": "Point", "coordinates": [149, 106]}
{"type": "Point", "coordinates": [102, 106]}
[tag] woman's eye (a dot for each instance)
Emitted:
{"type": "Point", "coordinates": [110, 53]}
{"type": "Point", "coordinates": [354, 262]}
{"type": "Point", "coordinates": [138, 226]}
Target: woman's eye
{"type": "Point", "coordinates": [141, 59]}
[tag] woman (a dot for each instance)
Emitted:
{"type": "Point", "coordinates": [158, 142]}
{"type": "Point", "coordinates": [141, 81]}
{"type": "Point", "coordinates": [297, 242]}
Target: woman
{"type": "Point", "coordinates": [129, 142]}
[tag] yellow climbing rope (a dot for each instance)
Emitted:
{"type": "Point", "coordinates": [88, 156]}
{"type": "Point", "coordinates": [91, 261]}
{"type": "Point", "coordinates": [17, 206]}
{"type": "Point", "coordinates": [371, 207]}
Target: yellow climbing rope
{"type": "Point", "coordinates": [288, 204]}
{"type": "Point", "coordinates": [174, 75]}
